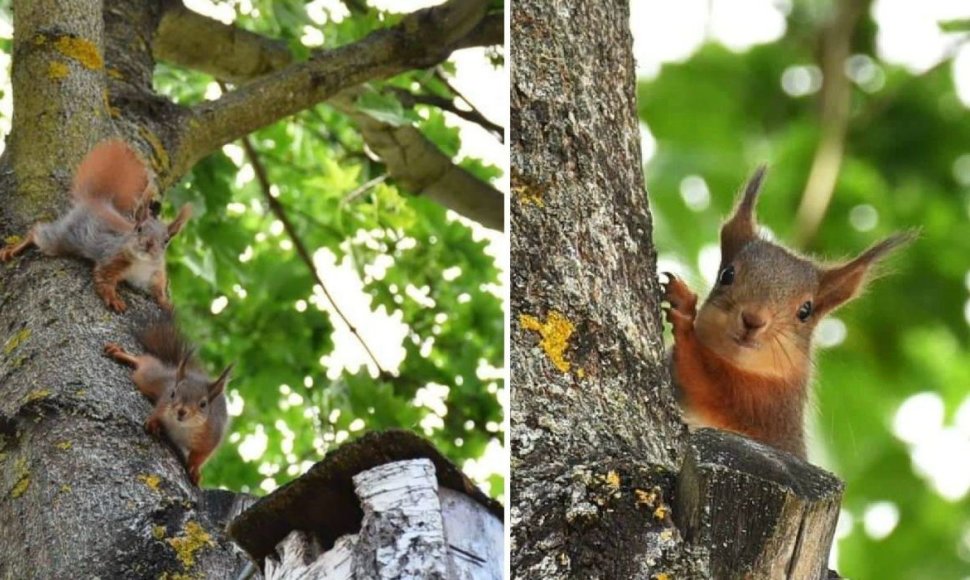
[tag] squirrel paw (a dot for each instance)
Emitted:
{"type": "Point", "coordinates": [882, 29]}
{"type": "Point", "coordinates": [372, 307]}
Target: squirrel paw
{"type": "Point", "coordinates": [113, 349]}
{"type": "Point", "coordinates": [679, 296]}
{"type": "Point", "coordinates": [153, 426]}
{"type": "Point", "coordinates": [165, 303]}
{"type": "Point", "coordinates": [116, 304]}
{"type": "Point", "coordinates": [195, 476]}
{"type": "Point", "coordinates": [7, 254]}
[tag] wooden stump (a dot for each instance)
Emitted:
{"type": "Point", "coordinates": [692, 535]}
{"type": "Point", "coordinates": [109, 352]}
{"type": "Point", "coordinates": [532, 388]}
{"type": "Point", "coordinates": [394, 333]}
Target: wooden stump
{"type": "Point", "coordinates": [763, 513]}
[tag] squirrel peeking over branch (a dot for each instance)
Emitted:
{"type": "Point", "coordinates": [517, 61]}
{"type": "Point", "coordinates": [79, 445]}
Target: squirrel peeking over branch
{"type": "Point", "coordinates": [743, 361]}
{"type": "Point", "coordinates": [113, 222]}
{"type": "Point", "coordinates": [190, 407]}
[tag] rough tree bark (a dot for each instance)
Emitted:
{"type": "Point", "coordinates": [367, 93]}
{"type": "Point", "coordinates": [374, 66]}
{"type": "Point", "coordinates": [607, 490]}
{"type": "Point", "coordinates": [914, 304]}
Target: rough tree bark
{"type": "Point", "coordinates": [606, 482]}
{"type": "Point", "coordinates": [84, 492]}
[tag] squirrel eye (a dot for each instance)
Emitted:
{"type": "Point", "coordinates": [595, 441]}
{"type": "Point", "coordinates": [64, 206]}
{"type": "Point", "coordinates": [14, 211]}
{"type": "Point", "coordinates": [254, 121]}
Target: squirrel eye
{"type": "Point", "coordinates": [726, 276]}
{"type": "Point", "coordinates": [202, 405]}
{"type": "Point", "coordinates": [804, 311]}
{"type": "Point", "coordinates": [173, 393]}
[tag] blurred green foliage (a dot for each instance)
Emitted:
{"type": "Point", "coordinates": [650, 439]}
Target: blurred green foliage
{"type": "Point", "coordinates": [318, 163]}
{"type": "Point", "coordinates": [718, 115]}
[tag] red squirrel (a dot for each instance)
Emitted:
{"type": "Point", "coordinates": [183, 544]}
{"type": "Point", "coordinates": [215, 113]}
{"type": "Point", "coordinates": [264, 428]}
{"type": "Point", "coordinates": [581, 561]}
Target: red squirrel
{"type": "Point", "coordinates": [189, 406]}
{"type": "Point", "coordinates": [743, 361]}
{"type": "Point", "coordinates": [111, 224]}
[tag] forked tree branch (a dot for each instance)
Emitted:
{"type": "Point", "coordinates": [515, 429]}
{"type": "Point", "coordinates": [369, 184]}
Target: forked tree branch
{"type": "Point", "coordinates": [240, 56]}
{"type": "Point", "coordinates": [421, 39]}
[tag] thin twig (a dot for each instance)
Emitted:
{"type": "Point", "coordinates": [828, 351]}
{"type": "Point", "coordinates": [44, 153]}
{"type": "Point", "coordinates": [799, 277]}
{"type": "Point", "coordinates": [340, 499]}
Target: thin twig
{"type": "Point", "coordinates": [409, 99]}
{"type": "Point", "coordinates": [277, 208]}
{"type": "Point", "coordinates": [444, 80]}
{"type": "Point", "coordinates": [836, 100]}
{"type": "Point", "coordinates": [362, 189]}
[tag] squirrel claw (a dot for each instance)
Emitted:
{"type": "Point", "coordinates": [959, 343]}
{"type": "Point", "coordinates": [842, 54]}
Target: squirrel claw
{"type": "Point", "coordinates": [153, 427]}
{"type": "Point", "coordinates": [112, 348]}
{"type": "Point", "coordinates": [680, 298]}
{"type": "Point", "coordinates": [116, 304]}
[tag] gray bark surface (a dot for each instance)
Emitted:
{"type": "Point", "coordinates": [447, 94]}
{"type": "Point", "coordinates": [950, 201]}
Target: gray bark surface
{"type": "Point", "coordinates": [597, 441]}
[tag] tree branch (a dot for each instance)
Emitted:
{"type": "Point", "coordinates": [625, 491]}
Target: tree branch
{"type": "Point", "coordinates": [224, 53]}
{"type": "Point", "coordinates": [409, 99]}
{"type": "Point", "coordinates": [421, 39]}
{"type": "Point", "coordinates": [419, 166]}
{"type": "Point", "coordinates": [836, 99]}
{"type": "Point", "coordinates": [277, 208]}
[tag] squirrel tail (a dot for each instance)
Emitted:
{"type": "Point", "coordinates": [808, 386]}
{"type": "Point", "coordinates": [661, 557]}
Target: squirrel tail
{"type": "Point", "coordinates": [160, 336]}
{"type": "Point", "coordinates": [112, 172]}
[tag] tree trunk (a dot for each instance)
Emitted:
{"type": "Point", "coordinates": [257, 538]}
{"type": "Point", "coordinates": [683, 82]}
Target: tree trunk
{"type": "Point", "coordinates": [597, 442]}
{"type": "Point", "coordinates": [84, 491]}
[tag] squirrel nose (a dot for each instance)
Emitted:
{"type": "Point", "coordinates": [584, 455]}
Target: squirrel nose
{"type": "Point", "coordinates": [753, 320]}
{"type": "Point", "coordinates": [181, 414]}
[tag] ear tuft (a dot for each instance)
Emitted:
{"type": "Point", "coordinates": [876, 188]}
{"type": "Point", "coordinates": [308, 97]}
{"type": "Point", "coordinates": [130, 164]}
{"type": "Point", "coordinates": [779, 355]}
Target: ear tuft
{"type": "Point", "coordinates": [184, 364]}
{"type": "Point", "coordinates": [742, 227]}
{"type": "Point", "coordinates": [841, 284]}
{"type": "Point", "coordinates": [219, 385]}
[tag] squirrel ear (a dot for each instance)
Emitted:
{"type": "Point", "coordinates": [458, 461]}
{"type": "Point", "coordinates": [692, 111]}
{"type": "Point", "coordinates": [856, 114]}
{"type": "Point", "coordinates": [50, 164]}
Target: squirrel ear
{"type": "Point", "coordinates": [183, 216]}
{"type": "Point", "coordinates": [842, 283]}
{"type": "Point", "coordinates": [183, 364]}
{"type": "Point", "coordinates": [142, 213]}
{"type": "Point", "coordinates": [219, 385]}
{"type": "Point", "coordinates": [742, 227]}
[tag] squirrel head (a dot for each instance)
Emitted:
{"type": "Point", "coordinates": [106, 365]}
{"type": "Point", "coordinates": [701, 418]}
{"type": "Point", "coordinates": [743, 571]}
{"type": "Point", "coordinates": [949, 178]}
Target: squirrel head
{"type": "Point", "coordinates": [190, 399]}
{"type": "Point", "coordinates": [150, 237]}
{"type": "Point", "coordinates": [767, 301]}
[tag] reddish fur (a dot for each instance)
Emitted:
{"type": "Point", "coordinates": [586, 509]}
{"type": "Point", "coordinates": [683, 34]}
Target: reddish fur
{"type": "Point", "coordinates": [204, 440]}
{"type": "Point", "coordinates": [726, 397]}
{"type": "Point", "coordinates": [113, 172]}
{"type": "Point", "coordinates": [10, 252]}
{"type": "Point", "coordinates": [107, 276]}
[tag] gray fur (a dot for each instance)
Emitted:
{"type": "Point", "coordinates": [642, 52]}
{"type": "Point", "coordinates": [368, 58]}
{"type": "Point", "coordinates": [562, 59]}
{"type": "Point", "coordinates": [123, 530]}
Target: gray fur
{"type": "Point", "coordinates": [80, 233]}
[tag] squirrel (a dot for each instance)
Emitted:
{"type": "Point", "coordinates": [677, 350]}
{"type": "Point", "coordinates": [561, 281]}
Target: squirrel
{"type": "Point", "coordinates": [112, 224]}
{"type": "Point", "coordinates": [189, 407]}
{"type": "Point", "coordinates": [742, 361]}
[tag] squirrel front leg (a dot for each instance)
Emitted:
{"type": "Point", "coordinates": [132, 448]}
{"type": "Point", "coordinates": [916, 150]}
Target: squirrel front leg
{"type": "Point", "coordinates": [698, 388]}
{"type": "Point", "coordinates": [117, 352]}
{"type": "Point", "coordinates": [10, 252]}
{"type": "Point", "coordinates": [195, 460]}
{"type": "Point", "coordinates": [107, 275]}
{"type": "Point", "coordinates": [159, 287]}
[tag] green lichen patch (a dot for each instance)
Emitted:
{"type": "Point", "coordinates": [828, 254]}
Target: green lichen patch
{"type": "Point", "coordinates": [12, 240]}
{"type": "Point", "coordinates": [23, 478]}
{"type": "Point", "coordinates": [63, 445]}
{"type": "Point", "coordinates": [161, 159]}
{"type": "Point", "coordinates": [37, 395]}
{"type": "Point", "coordinates": [80, 50]}
{"type": "Point", "coordinates": [16, 340]}
{"type": "Point", "coordinates": [158, 532]}
{"type": "Point", "coordinates": [186, 547]}
{"type": "Point", "coordinates": [65, 488]}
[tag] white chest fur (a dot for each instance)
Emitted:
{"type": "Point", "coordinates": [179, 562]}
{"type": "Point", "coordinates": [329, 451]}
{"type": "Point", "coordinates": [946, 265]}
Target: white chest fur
{"type": "Point", "coordinates": [140, 273]}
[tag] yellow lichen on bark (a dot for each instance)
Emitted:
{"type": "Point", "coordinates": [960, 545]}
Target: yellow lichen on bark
{"type": "Point", "coordinates": [150, 480]}
{"type": "Point", "coordinates": [555, 333]}
{"type": "Point", "coordinates": [161, 160]}
{"type": "Point", "coordinates": [526, 193]}
{"type": "Point", "coordinates": [80, 50]}
{"type": "Point", "coordinates": [58, 71]}
{"type": "Point", "coordinates": [186, 546]}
